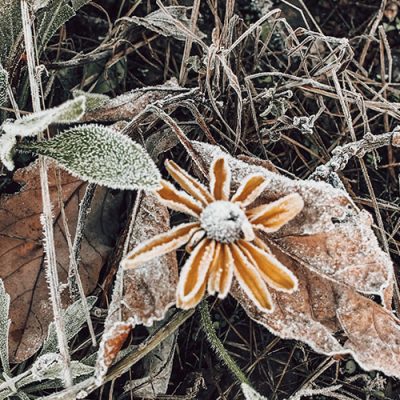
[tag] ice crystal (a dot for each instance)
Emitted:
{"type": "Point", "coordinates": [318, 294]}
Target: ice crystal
{"type": "Point", "coordinates": [31, 125]}
{"type": "Point", "coordinates": [103, 156]}
{"type": "Point", "coordinates": [250, 394]}
{"type": "Point", "coordinates": [3, 85]}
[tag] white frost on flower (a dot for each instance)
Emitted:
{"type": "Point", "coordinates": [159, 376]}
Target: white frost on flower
{"type": "Point", "coordinates": [35, 123]}
{"type": "Point", "coordinates": [223, 221]}
{"type": "Point", "coordinates": [103, 156]}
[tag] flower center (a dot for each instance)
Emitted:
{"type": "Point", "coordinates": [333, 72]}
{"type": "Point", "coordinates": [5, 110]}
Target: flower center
{"type": "Point", "coordinates": [223, 221]}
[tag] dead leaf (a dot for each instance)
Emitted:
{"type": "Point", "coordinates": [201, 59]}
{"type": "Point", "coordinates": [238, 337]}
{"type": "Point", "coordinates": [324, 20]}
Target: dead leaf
{"type": "Point", "coordinates": [157, 367]}
{"type": "Point", "coordinates": [22, 258]}
{"type": "Point", "coordinates": [330, 236]}
{"type": "Point", "coordinates": [141, 295]}
{"type": "Point", "coordinates": [327, 300]}
{"type": "Point", "coordinates": [130, 104]}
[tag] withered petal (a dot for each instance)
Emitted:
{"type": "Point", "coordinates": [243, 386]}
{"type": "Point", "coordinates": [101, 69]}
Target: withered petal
{"type": "Point", "coordinates": [188, 183]}
{"type": "Point", "coordinates": [195, 270]}
{"type": "Point", "coordinates": [272, 216]}
{"type": "Point", "coordinates": [221, 271]}
{"type": "Point", "coordinates": [160, 245]}
{"type": "Point", "coordinates": [272, 271]}
{"type": "Point", "coordinates": [178, 200]}
{"type": "Point", "coordinates": [251, 281]}
{"type": "Point", "coordinates": [249, 190]}
{"type": "Point", "coordinates": [220, 179]}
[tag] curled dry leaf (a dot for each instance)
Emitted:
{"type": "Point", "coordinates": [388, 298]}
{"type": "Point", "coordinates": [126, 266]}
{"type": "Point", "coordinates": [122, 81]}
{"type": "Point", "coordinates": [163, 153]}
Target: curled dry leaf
{"type": "Point", "coordinates": [128, 105]}
{"type": "Point", "coordinates": [315, 247]}
{"type": "Point", "coordinates": [141, 295]}
{"type": "Point", "coordinates": [22, 258]}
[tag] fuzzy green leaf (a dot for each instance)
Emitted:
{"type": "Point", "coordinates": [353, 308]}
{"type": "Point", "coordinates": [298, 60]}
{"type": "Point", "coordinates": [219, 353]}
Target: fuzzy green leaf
{"type": "Point", "coordinates": [3, 85]}
{"type": "Point", "coordinates": [93, 100]}
{"type": "Point", "coordinates": [10, 26]}
{"type": "Point", "coordinates": [74, 318]}
{"type": "Point", "coordinates": [101, 155]}
{"type": "Point", "coordinates": [77, 4]}
{"type": "Point", "coordinates": [56, 15]}
{"type": "Point", "coordinates": [4, 328]}
{"type": "Point", "coordinates": [31, 125]}
{"type": "Point", "coordinates": [49, 366]}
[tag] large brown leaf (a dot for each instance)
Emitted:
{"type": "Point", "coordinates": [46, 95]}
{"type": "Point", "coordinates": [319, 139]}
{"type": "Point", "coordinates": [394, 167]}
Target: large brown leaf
{"type": "Point", "coordinates": [315, 247]}
{"type": "Point", "coordinates": [21, 254]}
{"type": "Point", "coordinates": [141, 295]}
{"type": "Point", "coordinates": [330, 236]}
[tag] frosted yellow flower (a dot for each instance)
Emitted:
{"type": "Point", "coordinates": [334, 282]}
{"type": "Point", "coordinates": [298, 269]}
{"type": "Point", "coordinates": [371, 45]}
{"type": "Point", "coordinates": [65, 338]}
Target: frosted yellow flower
{"type": "Point", "coordinates": [222, 241]}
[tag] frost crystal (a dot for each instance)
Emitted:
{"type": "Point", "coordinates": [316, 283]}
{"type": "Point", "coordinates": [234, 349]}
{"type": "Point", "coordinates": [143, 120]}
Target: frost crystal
{"type": "Point", "coordinates": [4, 327]}
{"type": "Point", "coordinates": [31, 125]}
{"type": "Point", "coordinates": [223, 221]}
{"type": "Point", "coordinates": [93, 100]}
{"type": "Point", "coordinates": [103, 156]}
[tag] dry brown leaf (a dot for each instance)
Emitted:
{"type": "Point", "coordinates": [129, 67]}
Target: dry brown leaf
{"type": "Point", "coordinates": [315, 246]}
{"type": "Point", "coordinates": [141, 295]}
{"type": "Point", "coordinates": [330, 236]}
{"type": "Point", "coordinates": [22, 258]}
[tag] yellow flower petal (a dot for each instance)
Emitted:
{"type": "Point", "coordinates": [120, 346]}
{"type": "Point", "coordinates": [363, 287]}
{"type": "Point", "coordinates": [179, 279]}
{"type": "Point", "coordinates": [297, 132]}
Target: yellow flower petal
{"type": "Point", "coordinates": [272, 271]}
{"type": "Point", "coordinates": [178, 200]}
{"type": "Point", "coordinates": [160, 245]}
{"type": "Point", "coordinates": [188, 183]}
{"type": "Point", "coordinates": [195, 271]}
{"type": "Point", "coordinates": [221, 271]}
{"type": "Point", "coordinates": [220, 179]}
{"type": "Point", "coordinates": [271, 217]}
{"type": "Point", "coordinates": [250, 280]}
{"type": "Point", "coordinates": [249, 190]}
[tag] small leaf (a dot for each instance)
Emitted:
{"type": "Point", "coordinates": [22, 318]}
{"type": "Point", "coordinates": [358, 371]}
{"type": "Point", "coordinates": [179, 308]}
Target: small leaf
{"type": "Point", "coordinates": [3, 85]}
{"type": "Point", "coordinates": [103, 156]}
{"type": "Point", "coordinates": [74, 318]}
{"type": "Point", "coordinates": [49, 366]}
{"type": "Point", "coordinates": [93, 100]}
{"type": "Point", "coordinates": [165, 24]}
{"type": "Point", "coordinates": [31, 125]}
{"type": "Point", "coordinates": [4, 327]}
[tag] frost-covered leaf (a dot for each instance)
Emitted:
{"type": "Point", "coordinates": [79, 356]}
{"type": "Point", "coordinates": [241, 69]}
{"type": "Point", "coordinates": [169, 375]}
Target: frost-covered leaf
{"type": "Point", "coordinates": [32, 124]}
{"type": "Point", "coordinates": [55, 15]}
{"type": "Point", "coordinates": [4, 327]}
{"type": "Point", "coordinates": [50, 366]}
{"type": "Point", "coordinates": [127, 105]}
{"type": "Point", "coordinates": [164, 24]}
{"type": "Point", "coordinates": [157, 366]}
{"type": "Point", "coordinates": [3, 85]}
{"type": "Point", "coordinates": [93, 100]}
{"type": "Point", "coordinates": [333, 252]}
{"type": "Point", "coordinates": [74, 319]}
{"type": "Point", "coordinates": [330, 236]}
{"type": "Point", "coordinates": [103, 156]}
{"type": "Point", "coordinates": [77, 4]}
{"type": "Point", "coordinates": [141, 295]}
{"type": "Point", "coordinates": [10, 26]}
{"type": "Point", "coordinates": [21, 252]}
